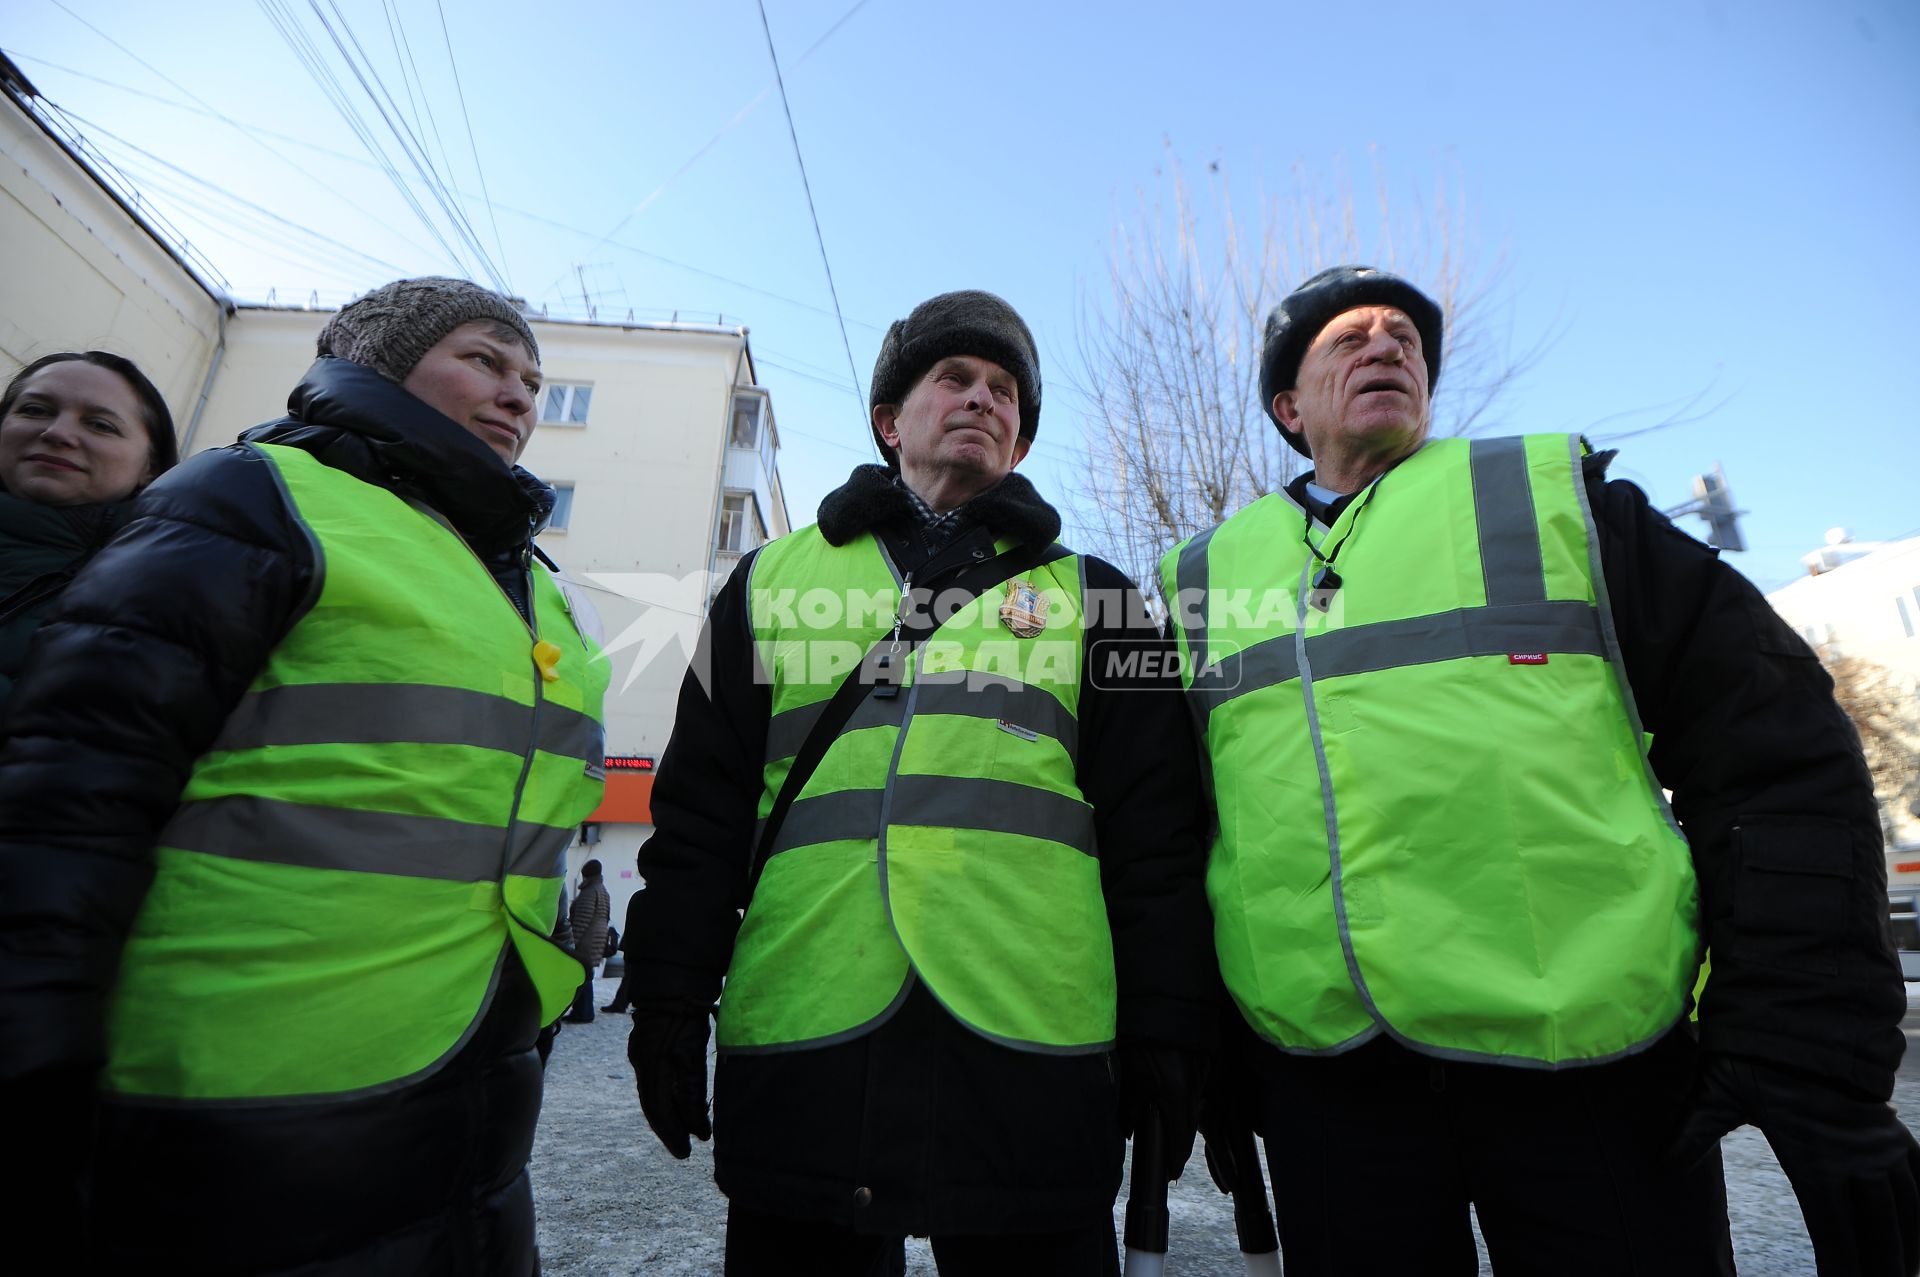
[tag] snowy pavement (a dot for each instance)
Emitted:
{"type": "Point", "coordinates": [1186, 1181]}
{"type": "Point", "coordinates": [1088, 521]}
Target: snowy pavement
{"type": "Point", "coordinates": [612, 1203]}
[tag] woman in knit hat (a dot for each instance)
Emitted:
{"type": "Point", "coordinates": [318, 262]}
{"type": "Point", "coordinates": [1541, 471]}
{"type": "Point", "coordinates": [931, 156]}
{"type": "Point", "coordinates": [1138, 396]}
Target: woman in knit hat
{"type": "Point", "coordinates": [282, 811]}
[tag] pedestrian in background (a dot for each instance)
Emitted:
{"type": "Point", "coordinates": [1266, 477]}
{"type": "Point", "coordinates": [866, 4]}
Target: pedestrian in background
{"type": "Point", "coordinates": [288, 776]}
{"type": "Point", "coordinates": [623, 996]}
{"type": "Point", "coordinates": [81, 433]}
{"type": "Point", "coordinates": [1451, 901]}
{"type": "Point", "coordinates": [588, 921]}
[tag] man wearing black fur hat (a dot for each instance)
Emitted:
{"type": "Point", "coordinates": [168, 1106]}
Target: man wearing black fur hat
{"type": "Point", "coordinates": [974, 950]}
{"type": "Point", "coordinates": [1460, 921]}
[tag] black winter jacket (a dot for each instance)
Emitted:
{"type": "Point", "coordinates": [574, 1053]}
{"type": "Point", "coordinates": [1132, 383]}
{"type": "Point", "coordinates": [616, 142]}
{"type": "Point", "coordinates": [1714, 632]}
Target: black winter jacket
{"type": "Point", "coordinates": [947, 1132]}
{"type": "Point", "coordinates": [42, 548]}
{"type": "Point", "coordinates": [127, 683]}
{"type": "Point", "coordinates": [1769, 786]}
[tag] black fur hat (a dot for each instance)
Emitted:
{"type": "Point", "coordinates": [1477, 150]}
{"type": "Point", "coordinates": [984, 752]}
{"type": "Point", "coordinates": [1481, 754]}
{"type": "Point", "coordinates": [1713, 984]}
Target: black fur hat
{"type": "Point", "coordinates": [1298, 319]}
{"type": "Point", "coordinates": [969, 322]}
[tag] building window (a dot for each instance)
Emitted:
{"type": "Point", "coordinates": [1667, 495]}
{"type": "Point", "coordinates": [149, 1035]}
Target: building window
{"type": "Point", "coordinates": [748, 411]}
{"type": "Point", "coordinates": [562, 507]}
{"type": "Point", "coordinates": [740, 526]}
{"type": "Point", "coordinates": [564, 403]}
{"type": "Point", "coordinates": [1903, 919]}
{"type": "Point", "coordinates": [1906, 617]}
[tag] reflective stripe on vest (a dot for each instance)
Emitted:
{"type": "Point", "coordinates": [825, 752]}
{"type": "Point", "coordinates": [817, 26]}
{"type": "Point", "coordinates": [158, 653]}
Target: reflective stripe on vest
{"type": "Point", "coordinates": [351, 858]}
{"type": "Point", "coordinates": [943, 833]}
{"type": "Point", "coordinates": [1436, 816]}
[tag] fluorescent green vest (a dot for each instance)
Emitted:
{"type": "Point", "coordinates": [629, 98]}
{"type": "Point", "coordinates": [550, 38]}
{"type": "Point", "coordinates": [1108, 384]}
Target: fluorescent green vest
{"type": "Point", "coordinates": [1436, 817]}
{"type": "Point", "coordinates": [943, 833]}
{"type": "Point", "coordinates": [383, 813]}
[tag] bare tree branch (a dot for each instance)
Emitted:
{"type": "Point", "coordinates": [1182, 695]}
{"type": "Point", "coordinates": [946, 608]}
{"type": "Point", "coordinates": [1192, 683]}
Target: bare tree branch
{"type": "Point", "coordinates": [1885, 710]}
{"type": "Point", "coordinates": [1169, 358]}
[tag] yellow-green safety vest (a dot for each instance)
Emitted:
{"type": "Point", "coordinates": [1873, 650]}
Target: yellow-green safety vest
{"type": "Point", "coordinates": [380, 817]}
{"type": "Point", "coordinates": [943, 833]}
{"type": "Point", "coordinates": [1436, 815]}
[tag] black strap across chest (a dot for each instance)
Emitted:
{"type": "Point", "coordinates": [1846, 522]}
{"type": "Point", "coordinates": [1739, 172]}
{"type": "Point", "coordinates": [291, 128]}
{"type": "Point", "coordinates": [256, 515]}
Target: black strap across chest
{"type": "Point", "coordinates": [858, 685]}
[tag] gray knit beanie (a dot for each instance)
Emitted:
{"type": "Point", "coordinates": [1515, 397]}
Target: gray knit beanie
{"type": "Point", "coordinates": [969, 322]}
{"type": "Point", "coordinates": [1302, 313]}
{"type": "Point", "coordinates": [391, 327]}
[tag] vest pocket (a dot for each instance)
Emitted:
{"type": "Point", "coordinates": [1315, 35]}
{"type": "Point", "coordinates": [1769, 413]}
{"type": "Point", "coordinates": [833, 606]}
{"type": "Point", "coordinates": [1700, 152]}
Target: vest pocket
{"type": "Point", "coordinates": [1790, 892]}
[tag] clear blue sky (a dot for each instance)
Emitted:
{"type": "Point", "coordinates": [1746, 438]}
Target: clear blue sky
{"type": "Point", "coordinates": [1693, 195]}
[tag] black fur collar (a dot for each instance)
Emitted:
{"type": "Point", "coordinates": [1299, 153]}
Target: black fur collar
{"type": "Point", "coordinates": [870, 500]}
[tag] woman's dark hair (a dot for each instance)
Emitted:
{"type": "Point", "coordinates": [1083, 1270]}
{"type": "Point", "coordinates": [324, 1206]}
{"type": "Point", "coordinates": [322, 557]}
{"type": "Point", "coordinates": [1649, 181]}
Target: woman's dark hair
{"type": "Point", "coordinates": [163, 450]}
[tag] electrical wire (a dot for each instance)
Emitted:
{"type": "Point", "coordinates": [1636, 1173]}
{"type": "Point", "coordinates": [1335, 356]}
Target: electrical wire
{"type": "Point", "coordinates": [225, 194]}
{"type": "Point", "coordinates": [310, 57]}
{"type": "Point", "coordinates": [202, 103]}
{"type": "Point", "coordinates": [411, 146]}
{"type": "Point", "coordinates": [113, 175]}
{"type": "Point", "coordinates": [397, 36]}
{"type": "Point", "coordinates": [853, 375]}
{"type": "Point", "coordinates": [486, 197]}
{"type": "Point", "coordinates": [257, 131]}
{"type": "Point", "coordinates": [713, 141]}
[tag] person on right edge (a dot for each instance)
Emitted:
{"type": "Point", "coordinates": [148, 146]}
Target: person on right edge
{"type": "Point", "coordinates": [1460, 921]}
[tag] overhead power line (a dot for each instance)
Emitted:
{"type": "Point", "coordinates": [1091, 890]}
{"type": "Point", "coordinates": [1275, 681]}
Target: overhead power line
{"type": "Point", "coordinates": [116, 178]}
{"type": "Point", "coordinates": [224, 194]}
{"type": "Point", "coordinates": [411, 145]}
{"type": "Point", "coordinates": [725, 129]}
{"type": "Point", "coordinates": [257, 132]}
{"type": "Point", "coordinates": [310, 56]}
{"type": "Point", "coordinates": [853, 375]}
{"type": "Point", "coordinates": [486, 197]}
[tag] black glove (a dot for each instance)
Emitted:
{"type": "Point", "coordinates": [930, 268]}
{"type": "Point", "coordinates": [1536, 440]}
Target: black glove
{"type": "Point", "coordinates": [1852, 1163]}
{"type": "Point", "coordinates": [668, 1051]}
{"type": "Point", "coordinates": [1226, 1119]}
{"type": "Point", "coordinates": [49, 1120]}
{"type": "Point", "coordinates": [1154, 1077]}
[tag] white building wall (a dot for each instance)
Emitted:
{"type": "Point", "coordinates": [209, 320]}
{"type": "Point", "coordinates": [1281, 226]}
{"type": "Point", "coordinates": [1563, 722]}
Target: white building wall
{"type": "Point", "coordinates": [1868, 606]}
{"type": "Point", "coordinates": [648, 469]}
{"type": "Point", "coordinates": [78, 273]}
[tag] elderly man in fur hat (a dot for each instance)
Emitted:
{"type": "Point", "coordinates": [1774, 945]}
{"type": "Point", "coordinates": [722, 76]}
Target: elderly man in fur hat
{"type": "Point", "coordinates": [1460, 921]}
{"type": "Point", "coordinates": [288, 779]}
{"type": "Point", "coordinates": [963, 827]}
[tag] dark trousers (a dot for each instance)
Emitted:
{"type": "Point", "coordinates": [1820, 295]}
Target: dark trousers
{"type": "Point", "coordinates": [769, 1246]}
{"type": "Point", "coordinates": [1377, 1154]}
{"type": "Point", "coordinates": [581, 1012]}
{"type": "Point", "coordinates": [623, 996]}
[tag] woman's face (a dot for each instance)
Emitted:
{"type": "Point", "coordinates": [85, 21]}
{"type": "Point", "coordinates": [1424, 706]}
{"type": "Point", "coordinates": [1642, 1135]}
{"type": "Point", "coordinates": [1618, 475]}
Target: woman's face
{"type": "Point", "coordinates": [75, 435]}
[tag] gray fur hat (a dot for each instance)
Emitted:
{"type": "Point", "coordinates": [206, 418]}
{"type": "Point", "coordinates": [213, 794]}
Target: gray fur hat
{"type": "Point", "coordinates": [390, 328]}
{"type": "Point", "coordinates": [968, 322]}
{"type": "Point", "coordinates": [1302, 313]}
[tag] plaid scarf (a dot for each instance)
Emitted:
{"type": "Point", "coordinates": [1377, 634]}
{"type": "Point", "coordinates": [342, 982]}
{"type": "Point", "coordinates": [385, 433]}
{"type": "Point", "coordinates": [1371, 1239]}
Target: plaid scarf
{"type": "Point", "coordinates": [936, 530]}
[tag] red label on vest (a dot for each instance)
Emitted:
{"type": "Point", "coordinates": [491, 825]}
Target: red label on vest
{"type": "Point", "coordinates": [1526, 658]}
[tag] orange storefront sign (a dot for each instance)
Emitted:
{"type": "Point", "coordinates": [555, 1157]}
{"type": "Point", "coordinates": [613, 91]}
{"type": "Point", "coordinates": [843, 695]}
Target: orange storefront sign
{"type": "Point", "coordinates": [628, 800]}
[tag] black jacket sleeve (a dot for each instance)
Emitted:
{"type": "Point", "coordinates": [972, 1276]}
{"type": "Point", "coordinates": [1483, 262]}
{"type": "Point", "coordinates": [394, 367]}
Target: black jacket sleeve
{"type": "Point", "coordinates": [127, 683]}
{"type": "Point", "coordinates": [705, 798]}
{"type": "Point", "coordinates": [1140, 768]}
{"type": "Point", "coordinates": [1770, 787]}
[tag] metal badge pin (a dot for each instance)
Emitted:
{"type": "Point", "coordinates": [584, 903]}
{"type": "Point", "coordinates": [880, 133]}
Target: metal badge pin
{"type": "Point", "coordinates": [1025, 609]}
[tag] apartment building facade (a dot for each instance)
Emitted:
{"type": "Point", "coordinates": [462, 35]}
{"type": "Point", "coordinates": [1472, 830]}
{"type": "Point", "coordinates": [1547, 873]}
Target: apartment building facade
{"type": "Point", "coordinates": [660, 444]}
